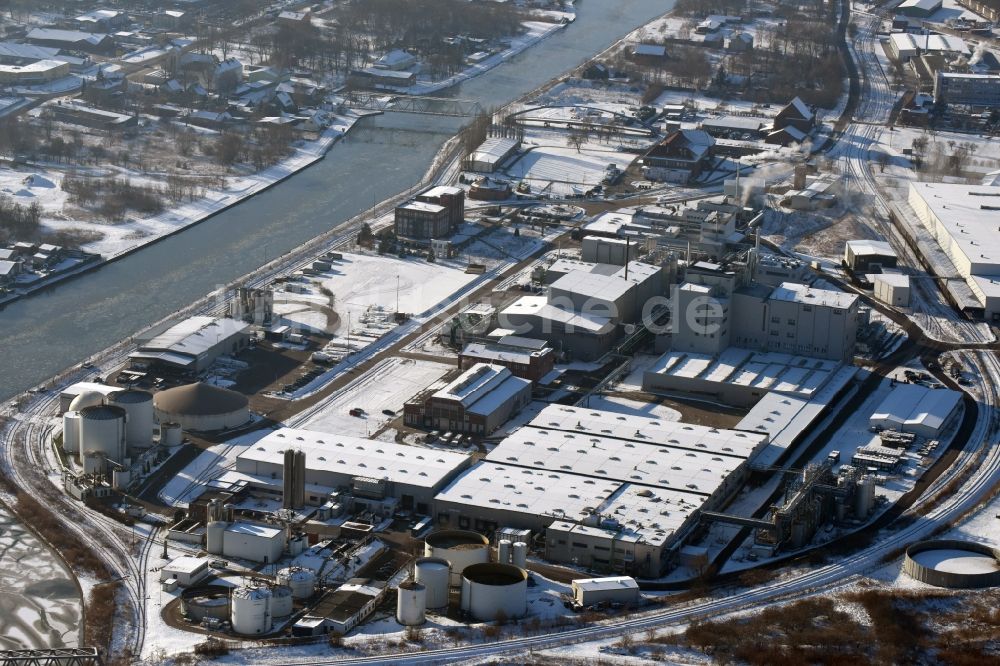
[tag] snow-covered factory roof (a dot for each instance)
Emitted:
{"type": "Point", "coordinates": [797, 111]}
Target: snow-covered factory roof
{"type": "Point", "coordinates": [905, 41]}
{"type": "Point", "coordinates": [540, 307]}
{"type": "Point", "coordinates": [353, 456]}
{"type": "Point", "coordinates": [608, 583]}
{"type": "Point", "coordinates": [911, 406]}
{"type": "Point", "coordinates": [800, 293]}
{"type": "Point", "coordinates": [968, 214]}
{"type": "Point", "coordinates": [597, 286]}
{"type": "Point", "coordinates": [499, 352]}
{"type": "Point", "coordinates": [864, 247]}
{"type": "Point", "coordinates": [195, 336]}
{"type": "Point", "coordinates": [423, 206]}
{"type": "Point", "coordinates": [772, 371]}
{"type": "Point", "coordinates": [494, 148]}
{"type": "Point", "coordinates": [572, 463]}
{"type": "Point", "coordinates": [254, 529]}
{"type": "Point", "coordinates": [482, 388]}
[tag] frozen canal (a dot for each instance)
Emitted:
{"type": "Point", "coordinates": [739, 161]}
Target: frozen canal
{"type": "Point", "coordinates": [39, 602]}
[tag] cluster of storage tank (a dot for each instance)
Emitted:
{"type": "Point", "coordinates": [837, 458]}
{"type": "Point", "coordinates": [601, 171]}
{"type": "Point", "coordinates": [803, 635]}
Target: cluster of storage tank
{"type": "Point", "coordinates": [461, 559]}
{"type": "Point", "coordinates": [254, 604]}
{"type": "Point", "coordinates": [99, 428]}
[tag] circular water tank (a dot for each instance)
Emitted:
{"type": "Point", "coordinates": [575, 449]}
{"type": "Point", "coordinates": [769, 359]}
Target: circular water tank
{"type": "Point", "coordinates": [86, 399]}
{"type": "Point", "coordinates": [102, 431]}
{"type": "Point", "coordinates": [139, 407]}
{"type": "Point", "coordinates": [301, 581]}
{"type": "Point", "coordinates": [953, 563]}
{"type": "Point", "coordinates": [297, 544]}
{"type": "Point", "coordinates": [202, 407]}
{"type": "Point", "coordinates": [493, 591]}
{"type": "Point", "coordinates": [71, 432]}
{"type": "Point", "coordinates": [432, 573]}
{"type": "Point", "coordinates": [460, 547]}
{"type": "Point", "coordinates": [215, 532]}
{"type": "Point", "coordinates": [503, 551]}
{"type": "Point", "coordinates": [171, 434]}
{"type": "Point", "coordinates": [519, 554]}
{"type": "Point", "coordinates": [206, 601]}
{"type": "Point", "coordinates": [281, 601]}
{"type": "Point", "coordinates": [411, 604]}
{"type": "Point", "coordinates": [251, 609]}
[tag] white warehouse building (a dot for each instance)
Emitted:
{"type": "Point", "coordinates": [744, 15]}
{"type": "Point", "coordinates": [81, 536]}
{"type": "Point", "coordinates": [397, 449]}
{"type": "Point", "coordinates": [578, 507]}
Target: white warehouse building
{"type": "Point", "coordinates": [370, 468]}
{"type": "Point", "coordinates": [917, 409]}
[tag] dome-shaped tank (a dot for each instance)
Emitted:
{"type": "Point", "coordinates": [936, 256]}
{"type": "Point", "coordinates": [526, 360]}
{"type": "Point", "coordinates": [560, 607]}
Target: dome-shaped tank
{"type": "Point", "coordinates": [71, 432]}
{"type": "Point", "coordinates": [301, 581]}
{"type": "Point", "coordinates": [102, 431]}
{"type": "Point", "coordinates": [139, 407]}
{"type": "Point", "coordinates": [215, 532]}
{"type": "Point", "coordinates": [519, 554]}
{"type": "Point", "coordinates": [503, 551]}
{"type": "Point", "coordinates": [411, 604]}
{"type": "Point", "coordinates": [492, 591]}
{"type": "Point", "coordinates": [202, 407]}
{"type": "Point", "coordinates": [251, 609]}
{"type": "Point", "coordinates": [432, 573]}
{"type": "Point", "coordinates": [171, 434]}
{"type": "Point", "coordinates": [86, 399]}
{"type": "Point", "coordinates": [281, 601]}
{"type": "Point", "coordinates": [460, 547]}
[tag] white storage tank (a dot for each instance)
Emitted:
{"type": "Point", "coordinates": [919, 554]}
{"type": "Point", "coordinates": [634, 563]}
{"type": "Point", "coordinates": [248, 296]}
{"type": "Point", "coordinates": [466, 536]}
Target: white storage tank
{"type": "Point", "coordinates": [519, 555]}
{"type": "Point", "coordinates": [171, 434]}
{"type": "Point", "coordinates": [297, 544]}
{"type": "Point", "coordinates": [215, 534]}
{"type": "Point", "coordinates": [494, 591]}
{"type": "Point", "coordinates": [71, 432]}
{"type": "Point", "coordinates": [102, 431]}
{"type": "Point", "coordinates": [251, 609]}
{"type": "Point", "coordinates": [460, 547]}
{"type": "Point", "coordinates": [302, 582]}
{"type": "Point", "coordinates": [432, 573]}
{"type": "Point", "coordinates": [503, 551]}
{"type": "Point", "coordinates": [411, 604]}
{"type": "Point", "coordinates": [864, 496]}
{"type": "Point", "coordinates": [139, 407]}
{"type": "Point", "coordinates": [281, 601]}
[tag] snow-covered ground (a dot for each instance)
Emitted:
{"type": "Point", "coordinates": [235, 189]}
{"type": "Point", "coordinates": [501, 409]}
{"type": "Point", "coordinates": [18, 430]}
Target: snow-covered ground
{"type": "Point", "coordinates": [39, 603]}
{"type": "Point", "coordinates": [633, 407]}
{"type": "Point", "coordinates": [386, 386]}
{"type": "Point", "coordinates": [118, 239]}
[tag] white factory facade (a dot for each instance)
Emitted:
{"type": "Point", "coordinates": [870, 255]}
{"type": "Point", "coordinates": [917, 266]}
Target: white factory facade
{"type": "Point", "coordinates": [964, 220]}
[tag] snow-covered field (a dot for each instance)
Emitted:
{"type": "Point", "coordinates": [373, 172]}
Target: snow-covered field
{"type": "Point", "coordinates": [386, 386]}
{"type": "Point", "coordinates": [556, 169]}
{"type": "Point", "coordinates": [39, 603]}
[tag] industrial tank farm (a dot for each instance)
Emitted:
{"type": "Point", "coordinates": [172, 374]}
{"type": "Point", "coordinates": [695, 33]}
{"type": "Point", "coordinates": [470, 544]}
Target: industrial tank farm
{"type": "Point", "coordinates": [138, 405]}
{"type": "Point", "coordinates": [411, 604]}
{"type": "Point", "coordinates": [954, 564]}
{"type": "Point", "coordinates": [432, 572]}
{"type": "Point", "coordinates": [251, 609]}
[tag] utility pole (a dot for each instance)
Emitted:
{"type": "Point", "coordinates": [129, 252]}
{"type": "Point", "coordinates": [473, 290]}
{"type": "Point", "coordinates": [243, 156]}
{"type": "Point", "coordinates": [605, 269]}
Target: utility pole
{"type": "Point", "coordinates": [397, 293]}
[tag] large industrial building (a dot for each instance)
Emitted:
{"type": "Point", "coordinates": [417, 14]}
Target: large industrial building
{"type": "Point", "coordinates": [964, 219]}
{"type": "Point", "coordinates": [434, 213]}
{"type": "Point", "coordinates": [966, 89]}
{"type": "Point", "coordinates": [717, 307]}
{"type": "Point", "coordinates": [614, 492]}
{"type": "Point", "coordinates": [191, 346]}
{"type": "Point", "coordinates": [738, 376]}
{"type": "Point", "coordinates": [368, 468]}
{"type": "Point", "coordinates": [479, 401]}
{"type": "Point", "coordinates": [493, 152]}
{"type": "Point", "coordinates": [525, 357]}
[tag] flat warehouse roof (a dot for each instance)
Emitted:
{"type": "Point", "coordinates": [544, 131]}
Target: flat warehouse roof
{"type": "Point", "coordinates": [195, 335]}
{"type": "Point", "coordinates": [353, 456]}
{"type": "Point", "coordinates": [969, 214]}
{"type": "Point", "coordinates": [595, 285]}
{"type": "Point", "coordinates": [252, 529]}
{"type": "Point", "coordinates": [915, 405]}
{"type": "Point", "coordinates": [800, 293]}
{"type": "Point", "coordinates": [871, 247]}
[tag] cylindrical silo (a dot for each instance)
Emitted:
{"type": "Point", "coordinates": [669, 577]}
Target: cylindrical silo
{"type": "Point", "coordinates": [215, 532]}
{"type": "Point", "coordinates": [171, 434]}
{"type": "Point", "coordinates": [411, 604]}
{"type": "Point", "coordinates": [432, 573]}
{"type": "Point", "coordinates": [102, 430]}
{"type": "Point", "coordinates": [139, 407]}
{"type": "Point", "coordinates": [494, 591]}
{"type": "Point", "coordinates": [519, 554]}
{"type": "Point", "coordinates": [503, 551]}
{"type": "Point", "coordinates": [297, 544]}
{"type": "Point", "coordinates": [460, 547]}
{"type": "Point", "coordinates": [301, 581]}
{"type": "Point", "coordinates": [251, 609]}
{"type": "Point", "coordinates": [864, 496]}
{"type": "Point", "coordinates": [71, 432]}
{"type": "Point", "coordinates": [281, 601]}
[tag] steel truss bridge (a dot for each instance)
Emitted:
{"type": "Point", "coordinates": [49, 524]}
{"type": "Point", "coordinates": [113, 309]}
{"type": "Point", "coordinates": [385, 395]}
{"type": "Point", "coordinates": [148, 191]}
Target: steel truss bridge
{"type": "Point", "coordinates": [51, 657]}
